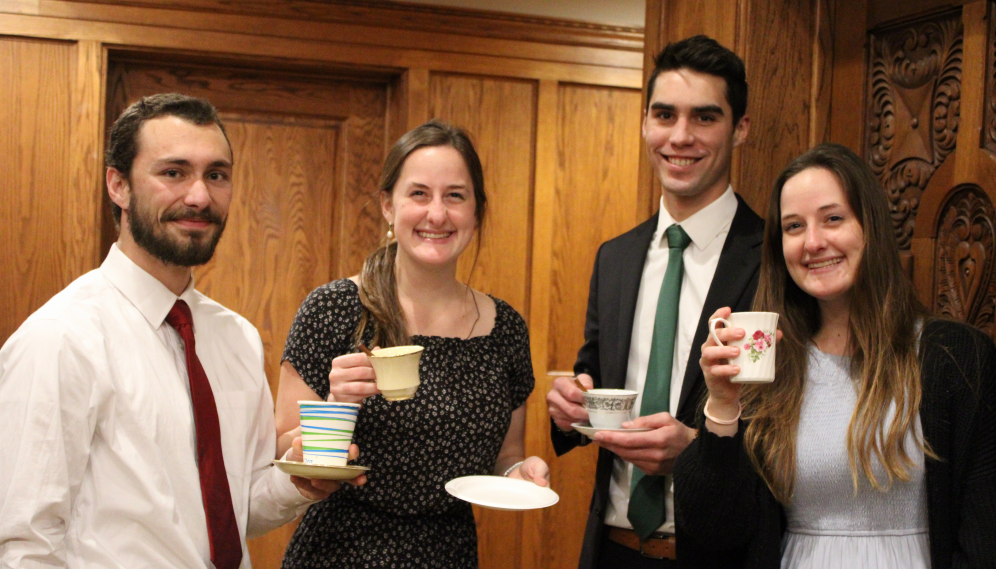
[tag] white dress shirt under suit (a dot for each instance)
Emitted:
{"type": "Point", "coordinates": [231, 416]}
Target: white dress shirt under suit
{"type": "Point", "coordinates": [707, 229]}
{"type": "Point", "coordinates": [98, 454]}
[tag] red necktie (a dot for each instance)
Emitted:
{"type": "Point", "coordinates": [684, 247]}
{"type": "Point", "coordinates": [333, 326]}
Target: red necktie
{"type": "Point", "coordinates": [223, 530]}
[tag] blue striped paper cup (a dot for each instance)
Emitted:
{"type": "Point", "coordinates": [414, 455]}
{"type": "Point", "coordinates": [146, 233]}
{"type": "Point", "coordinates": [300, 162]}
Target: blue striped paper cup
{"type": "Point", "coordinates": [327, 430]}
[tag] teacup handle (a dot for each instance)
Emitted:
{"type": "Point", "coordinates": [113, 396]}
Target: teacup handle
{"type": "Point", "coordinates": [712, 328]}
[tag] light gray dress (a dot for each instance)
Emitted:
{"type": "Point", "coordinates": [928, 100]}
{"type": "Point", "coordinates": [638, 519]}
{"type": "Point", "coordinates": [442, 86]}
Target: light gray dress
{"type": "Point", "coordinates": [828, 526]}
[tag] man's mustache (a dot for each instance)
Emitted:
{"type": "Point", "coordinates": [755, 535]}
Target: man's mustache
{"type": "Point", "coordinates": [207, 215]}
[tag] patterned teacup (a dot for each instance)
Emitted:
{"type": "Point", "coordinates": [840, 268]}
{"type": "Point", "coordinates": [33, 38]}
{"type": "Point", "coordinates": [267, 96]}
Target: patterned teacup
{"type": "Point", "coordinates": [757, 349]}
{"type": "Point", "coordinates": [609, 408]}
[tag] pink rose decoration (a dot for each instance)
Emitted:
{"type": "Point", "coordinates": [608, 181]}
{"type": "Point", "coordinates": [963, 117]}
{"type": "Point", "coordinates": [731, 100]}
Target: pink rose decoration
{"type": "Point", "coordinates": [747, 346]}
{"type": "Point", "coordinates": [759, 345]}
{"type": "Point", "coordinates": [758, 335]}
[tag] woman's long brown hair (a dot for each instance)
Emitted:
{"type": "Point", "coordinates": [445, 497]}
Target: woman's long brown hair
{"type": "Point", "coordinates": [882, 338]}
{"type": "Point", "coordinates": [378, 284]}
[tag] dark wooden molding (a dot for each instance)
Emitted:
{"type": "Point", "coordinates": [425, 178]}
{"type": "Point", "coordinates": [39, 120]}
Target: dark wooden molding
{"type": "Point", "coordinates": [914, 91]}
{"type": "Point", "coordinates": [965, 269]}
{"type": "Point", "coordinates": [400, 15]}
{"type": "Point", "coordinates": [989, 116]}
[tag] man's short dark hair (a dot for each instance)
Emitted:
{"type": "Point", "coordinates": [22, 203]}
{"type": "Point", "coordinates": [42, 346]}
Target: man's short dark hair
{"type": "Point", "coordinates": [705, 55]}
{"type": "Point", "coordinates": [122, 140]}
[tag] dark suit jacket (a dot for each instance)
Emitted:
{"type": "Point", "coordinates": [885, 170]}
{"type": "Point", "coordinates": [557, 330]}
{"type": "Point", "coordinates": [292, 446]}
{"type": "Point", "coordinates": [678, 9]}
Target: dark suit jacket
{"type": "Point", "coordinates": [615, 284]}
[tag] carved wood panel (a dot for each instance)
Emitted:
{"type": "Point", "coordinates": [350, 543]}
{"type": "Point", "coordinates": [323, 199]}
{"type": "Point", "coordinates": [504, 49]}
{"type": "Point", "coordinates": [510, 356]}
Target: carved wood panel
{"type": "Point", "coordinates": [965, 271]}
{"type": "Point", "coordinates": [989, 119]}
{"type": "Point", "coordinates": [914, 96]}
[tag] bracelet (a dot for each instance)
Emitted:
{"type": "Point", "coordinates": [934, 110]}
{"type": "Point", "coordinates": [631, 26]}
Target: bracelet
{"type": "Point", "coordinates": [513, 467]}
{"type": "Point", "coordinates": [705, 411]}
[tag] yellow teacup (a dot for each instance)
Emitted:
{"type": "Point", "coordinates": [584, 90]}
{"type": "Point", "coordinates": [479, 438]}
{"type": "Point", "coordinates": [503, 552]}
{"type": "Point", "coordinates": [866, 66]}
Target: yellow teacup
{"type": "Point", "coordinates": [397, 371]}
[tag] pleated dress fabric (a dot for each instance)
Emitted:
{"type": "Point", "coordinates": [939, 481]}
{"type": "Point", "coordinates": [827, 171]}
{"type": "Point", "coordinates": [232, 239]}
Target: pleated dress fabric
{"type": "Point", "coordinates": [828, 525]}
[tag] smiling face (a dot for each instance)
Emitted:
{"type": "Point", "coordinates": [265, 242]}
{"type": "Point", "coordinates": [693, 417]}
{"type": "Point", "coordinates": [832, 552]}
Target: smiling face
{"type": "Point", "coordinates": [822, 240]}
{"type": "Point", "coordinates": [690, 137]}
{"type": "Point", "coordinates": [432, 207]}
{"type": "Point", "coordinates": [175, 200]}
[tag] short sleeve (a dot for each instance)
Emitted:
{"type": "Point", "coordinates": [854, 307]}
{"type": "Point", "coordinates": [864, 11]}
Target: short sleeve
{"type": "Point", "coordinates": [515, 336]}
{"type": "Point", "coordinates": [322, 331]}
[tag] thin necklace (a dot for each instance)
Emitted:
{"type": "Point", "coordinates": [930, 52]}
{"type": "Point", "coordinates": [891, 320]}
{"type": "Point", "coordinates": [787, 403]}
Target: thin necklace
{"type": "Point", "coordinates": [476, 309]}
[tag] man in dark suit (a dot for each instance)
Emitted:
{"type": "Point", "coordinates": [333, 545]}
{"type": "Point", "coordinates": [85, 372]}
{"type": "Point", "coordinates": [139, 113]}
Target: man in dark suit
{"type": "Point", "coordinates": [652, 292]}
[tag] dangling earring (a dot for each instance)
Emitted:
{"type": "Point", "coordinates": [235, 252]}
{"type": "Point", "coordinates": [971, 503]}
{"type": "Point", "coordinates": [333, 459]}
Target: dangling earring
{"type": "Point", "coordinates": [390, 231]}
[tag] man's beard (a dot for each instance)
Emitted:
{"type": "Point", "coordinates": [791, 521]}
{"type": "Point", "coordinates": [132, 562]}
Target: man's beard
{"type": "Point", "coordinates": [153, 237]}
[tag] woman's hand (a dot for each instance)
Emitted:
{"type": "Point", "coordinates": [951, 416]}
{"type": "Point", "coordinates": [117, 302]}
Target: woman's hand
{"type": "Point", "coordinates": [724, 395]}
{"type": "Point", "coordinates": [533, 469]}
{"type": "Point", "coordinates": [352, 379]}
{"type": "Point", "coordinates": [314, 488]}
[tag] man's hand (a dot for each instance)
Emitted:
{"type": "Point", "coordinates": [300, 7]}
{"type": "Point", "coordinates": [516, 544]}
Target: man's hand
{"type": "Point", "coordinates": [653, 451]}
{"type": "Point", "coordinates": [315, 488]}
{"type": "Point", "coordinates": [566, 403]}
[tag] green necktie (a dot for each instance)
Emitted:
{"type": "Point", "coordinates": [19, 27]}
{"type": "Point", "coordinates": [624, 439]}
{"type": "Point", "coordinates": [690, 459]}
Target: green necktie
{"type": "Point", "coordinates": [646, 499]}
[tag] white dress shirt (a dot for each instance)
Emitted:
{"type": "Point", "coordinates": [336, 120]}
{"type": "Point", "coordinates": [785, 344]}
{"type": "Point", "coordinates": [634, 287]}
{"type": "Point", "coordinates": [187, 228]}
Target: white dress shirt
{"type": "Point", "coordinates": [707, 229]}
{"type": "Point", "coordinates": [98, 457]}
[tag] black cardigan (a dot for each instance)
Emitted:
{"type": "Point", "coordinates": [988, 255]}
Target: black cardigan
{"type": "Point", "coordinates": [727, 517]}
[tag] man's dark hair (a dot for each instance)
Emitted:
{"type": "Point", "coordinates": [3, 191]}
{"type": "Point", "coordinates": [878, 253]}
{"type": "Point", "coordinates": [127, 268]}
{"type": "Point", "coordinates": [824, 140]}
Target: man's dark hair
{"type": "Point", "coordinates": [704, 55]}
{"type": "Point", "coordinates": [122, 140]}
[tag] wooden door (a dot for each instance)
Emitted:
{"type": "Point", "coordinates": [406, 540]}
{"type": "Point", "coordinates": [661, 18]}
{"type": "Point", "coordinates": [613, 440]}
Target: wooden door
{"type": "Point", "coordinates": [308, 150]}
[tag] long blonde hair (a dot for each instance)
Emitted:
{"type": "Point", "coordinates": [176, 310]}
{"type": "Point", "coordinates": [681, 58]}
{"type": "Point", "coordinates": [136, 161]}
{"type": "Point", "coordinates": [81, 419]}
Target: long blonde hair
{"type": "Point", "coordinates": [882, 338]}
{"type": "Point", "coordinates": [378, 284]}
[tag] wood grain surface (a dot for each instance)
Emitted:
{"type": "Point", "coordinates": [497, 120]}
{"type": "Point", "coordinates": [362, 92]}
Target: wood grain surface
{"type": "Point", "coordinates": [44, 225]}
{"type": "Point", "coordinates": [598, 151]}
{"type": "Point", "coordinates": [441, 20]}
{"type": "Point", "coordinates": [780, 76]}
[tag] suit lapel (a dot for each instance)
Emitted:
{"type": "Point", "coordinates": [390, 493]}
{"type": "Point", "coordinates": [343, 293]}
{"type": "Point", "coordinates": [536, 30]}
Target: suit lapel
{"type": "Point", "coordinates": [737, 266]}
{"type": "Point", "coordinates": [630, 274]}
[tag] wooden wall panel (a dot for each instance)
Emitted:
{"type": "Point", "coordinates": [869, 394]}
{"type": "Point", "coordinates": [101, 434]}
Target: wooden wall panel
{"type": "Point", "coordinates": [360, 227]}
{"type": "Point", "coordinates": [779, 71]}
{"type": "Point", "coordinates": [38, 223]}
{"type": "Point", "coordinates": [839, 69]}
{"type": "Point", "coordinates": [500, 115]}
{"type": "Point", "coordinates": [598, 152]}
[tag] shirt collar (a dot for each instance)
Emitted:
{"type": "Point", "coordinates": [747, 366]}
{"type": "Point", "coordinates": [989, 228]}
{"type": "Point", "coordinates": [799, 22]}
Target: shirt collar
{"type": "Point", "coordinates": [704, 225]}
{"type": "Point", "coordinates": [144, 291]}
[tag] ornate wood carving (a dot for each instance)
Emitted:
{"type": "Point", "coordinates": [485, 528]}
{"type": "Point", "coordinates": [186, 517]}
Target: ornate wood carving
{"type": "Point", "coordinates": [966, 271]}
{"type": "Point", "coordinates": [989, 120]}
{"type": "Point", "coordinates": [914, 94]}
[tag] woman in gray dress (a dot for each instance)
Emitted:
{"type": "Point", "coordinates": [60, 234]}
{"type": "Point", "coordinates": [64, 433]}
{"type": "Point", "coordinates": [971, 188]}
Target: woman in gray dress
{"type": "Point", "coordinates": [874, 446]}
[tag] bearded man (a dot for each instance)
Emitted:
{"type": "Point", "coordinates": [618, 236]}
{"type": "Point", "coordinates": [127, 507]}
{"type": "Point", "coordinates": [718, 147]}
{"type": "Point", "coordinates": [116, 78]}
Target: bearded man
{"type": "Point", "coordinates": [137, 419]}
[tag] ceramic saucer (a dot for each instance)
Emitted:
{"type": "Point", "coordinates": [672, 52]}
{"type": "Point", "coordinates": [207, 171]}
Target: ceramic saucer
{"type": "Point", "coordinates": [589, 431]}
{"type": "Point", "coordinates": [320, 471]}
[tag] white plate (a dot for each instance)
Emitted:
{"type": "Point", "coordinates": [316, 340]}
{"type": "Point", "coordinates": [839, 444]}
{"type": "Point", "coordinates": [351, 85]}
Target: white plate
{"type": "Point", "coordinates": [589, 431]}
{"type": "Point", "coordinates": [320, 471]}
{"type": "Point", "coordinates": [501, 493]}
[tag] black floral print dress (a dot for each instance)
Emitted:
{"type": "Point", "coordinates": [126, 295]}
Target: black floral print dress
{"type": "Point", "coordinates": [454, 426]}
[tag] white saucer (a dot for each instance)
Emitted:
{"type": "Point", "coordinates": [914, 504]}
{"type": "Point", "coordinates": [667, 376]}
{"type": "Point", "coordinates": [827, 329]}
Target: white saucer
{"type": "Point", "coordinates": [320, 471]}
{"type": "Point", "coordinates": [500, 493]}
{"type": "Point", "coordinates": [589, 431]}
